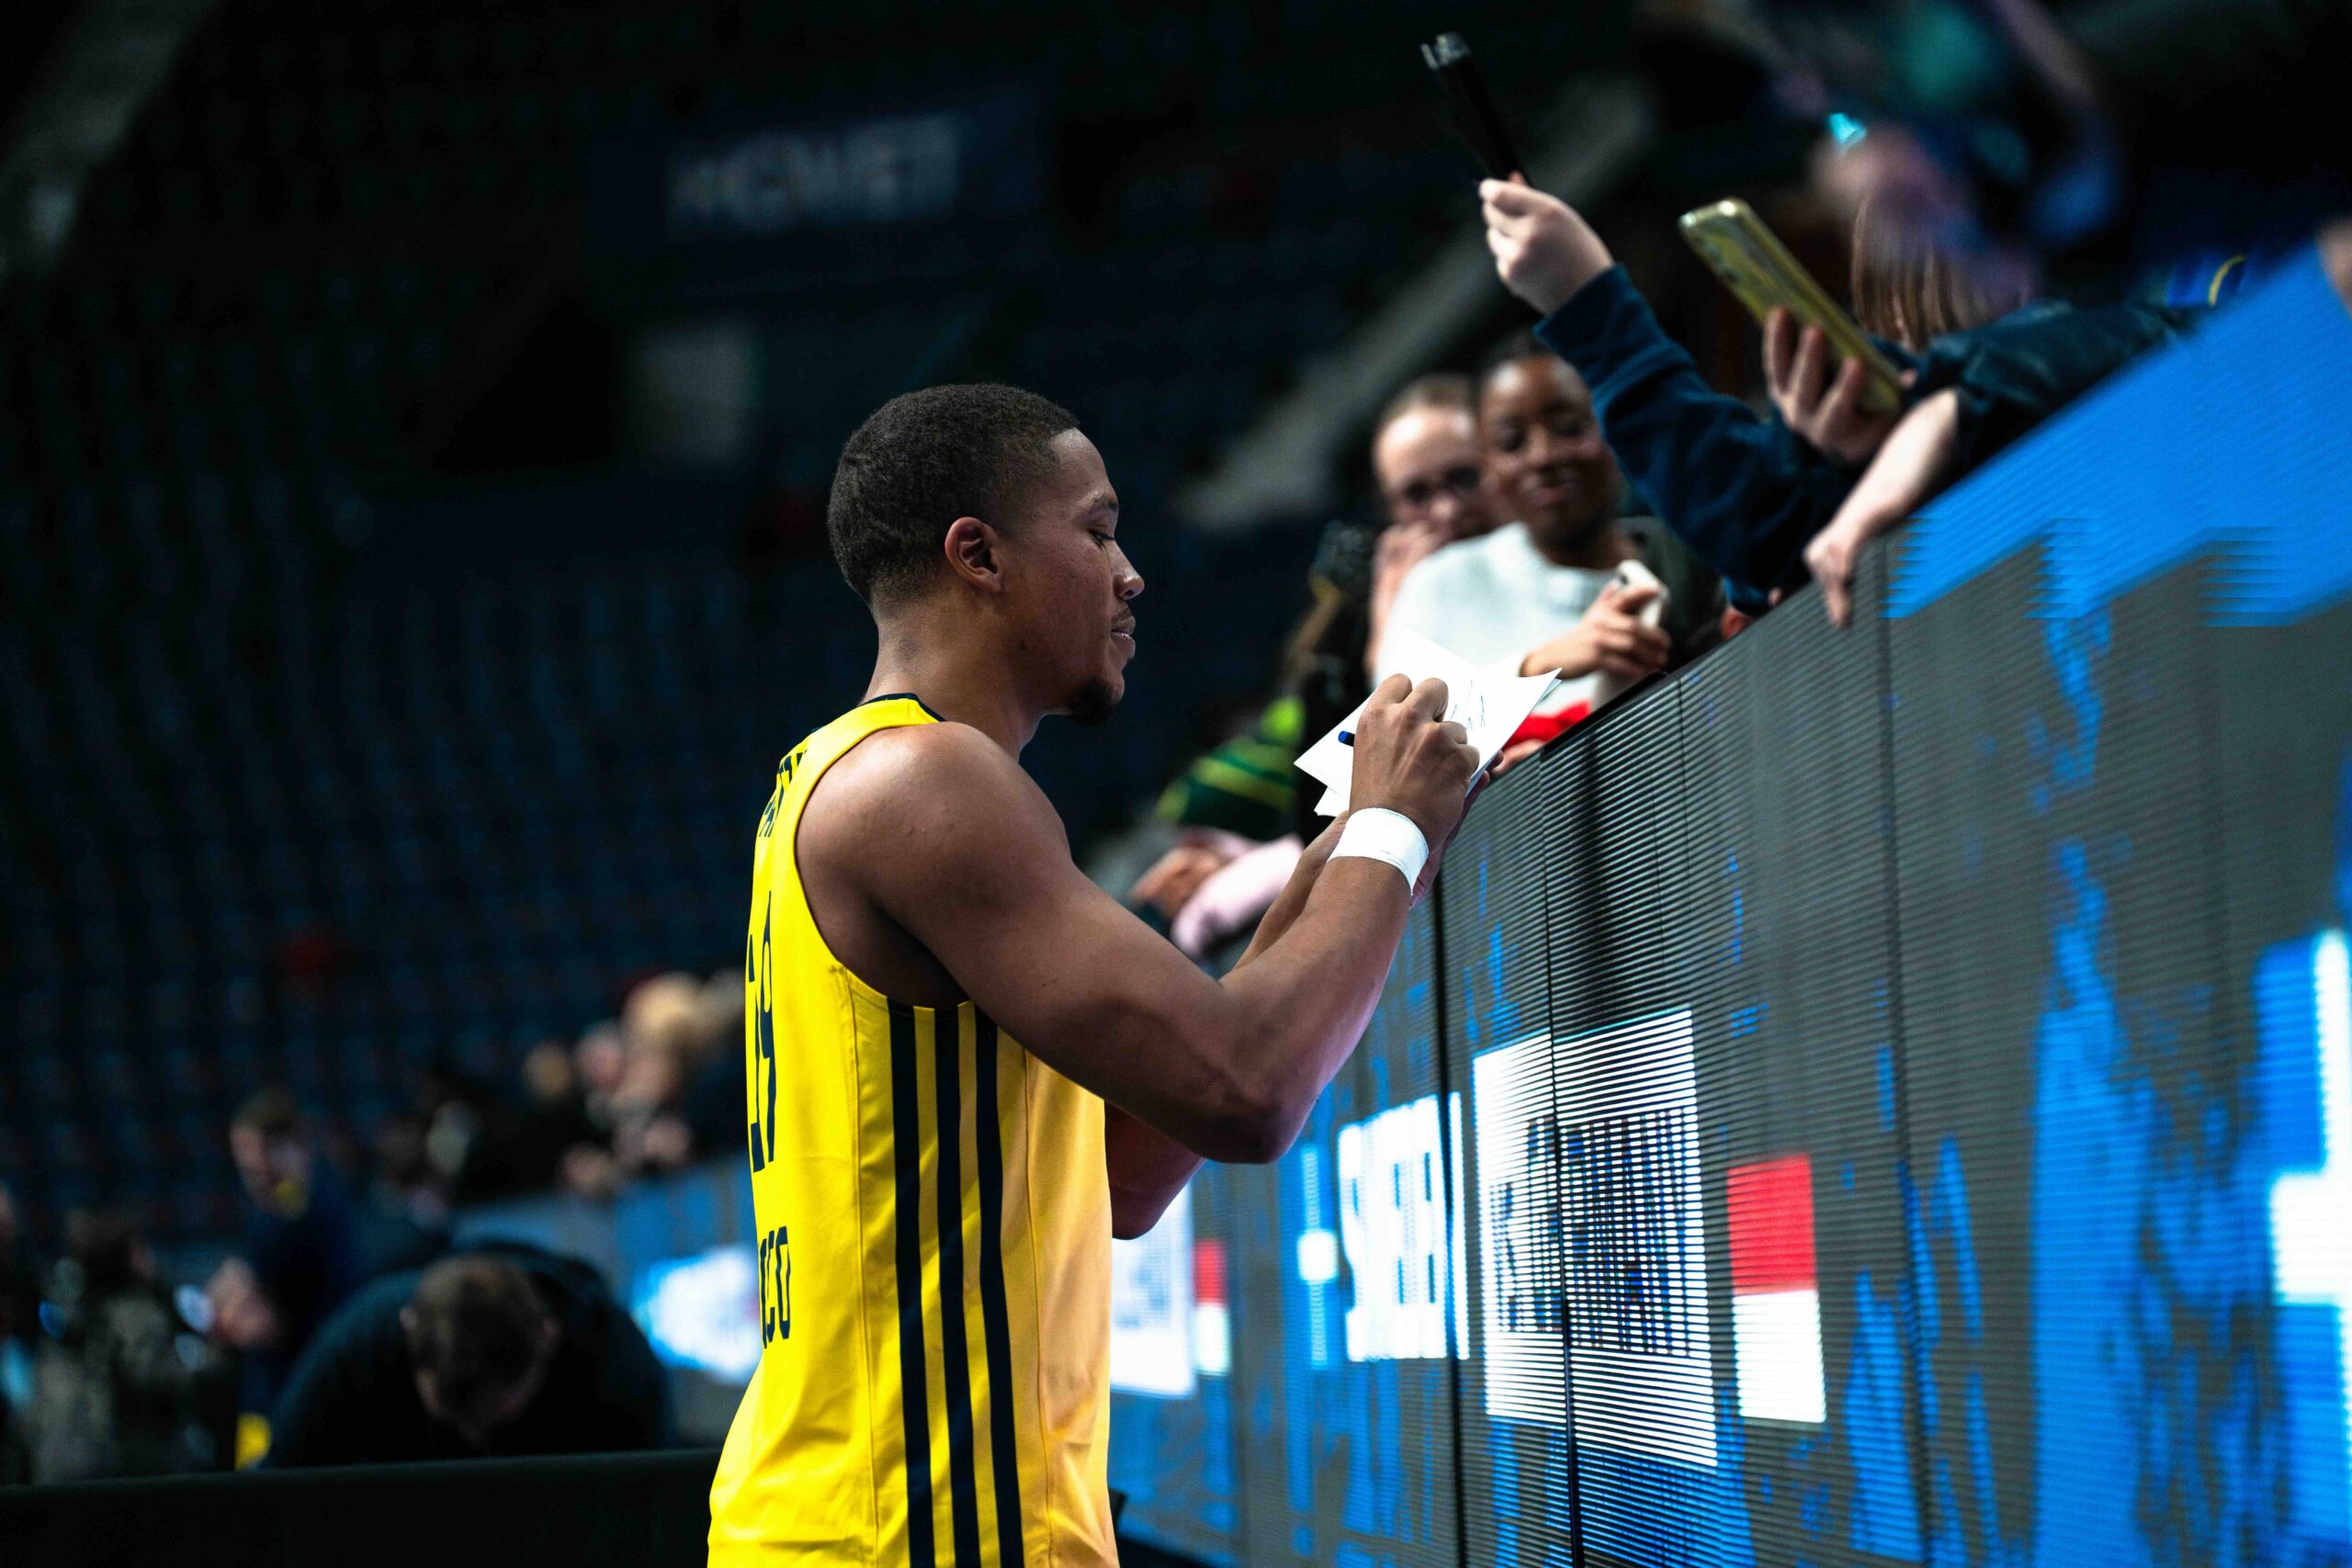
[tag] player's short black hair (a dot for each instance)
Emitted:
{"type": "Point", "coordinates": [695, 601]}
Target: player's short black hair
{"type": "Point", "coordinates": [925, 458]}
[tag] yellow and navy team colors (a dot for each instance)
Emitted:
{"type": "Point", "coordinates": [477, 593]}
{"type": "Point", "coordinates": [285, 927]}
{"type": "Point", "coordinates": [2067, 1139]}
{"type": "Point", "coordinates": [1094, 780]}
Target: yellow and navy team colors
{"type": "Point", "coordinates": [934, 1245]}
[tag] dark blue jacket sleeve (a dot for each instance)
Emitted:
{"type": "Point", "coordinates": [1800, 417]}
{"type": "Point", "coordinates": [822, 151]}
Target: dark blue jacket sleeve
{"type": "Point", "coordinates": [1742, 491]}
{"type": "Point", "coordinates": [2017, 371]}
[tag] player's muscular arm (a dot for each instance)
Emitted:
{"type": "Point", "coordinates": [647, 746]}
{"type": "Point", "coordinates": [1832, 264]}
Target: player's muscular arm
{"type": "Point", "coordinates": [1147, 1167]}
{"type": "Point", "coordinates": [963, 852]}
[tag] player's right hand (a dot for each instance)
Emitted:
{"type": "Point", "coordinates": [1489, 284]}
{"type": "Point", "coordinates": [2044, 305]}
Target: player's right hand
{"type": "Point", "coordinates": [1410, 759]}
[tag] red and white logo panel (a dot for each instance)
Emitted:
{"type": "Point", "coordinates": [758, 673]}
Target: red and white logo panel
{"type": "Point", "coordinates": [1775, 1295]}
{"type": "Point", "coordinates": [1212, 1324]}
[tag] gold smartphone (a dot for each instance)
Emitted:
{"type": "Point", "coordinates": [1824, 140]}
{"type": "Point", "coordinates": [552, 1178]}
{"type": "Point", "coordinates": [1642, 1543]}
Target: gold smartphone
{"type": "Point", "coordinates": [1758, 268]}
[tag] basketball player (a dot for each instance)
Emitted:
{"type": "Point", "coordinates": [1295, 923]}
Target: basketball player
{"type": "Point", "coordinates": [968, 1067]}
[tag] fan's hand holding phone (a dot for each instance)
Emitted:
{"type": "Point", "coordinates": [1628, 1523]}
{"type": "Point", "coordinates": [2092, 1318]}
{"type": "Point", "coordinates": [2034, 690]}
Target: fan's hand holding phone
{"type": "Point", "coordinates": [1757, 269]}
{"type": "Point", "coordinates": [1821, 397]}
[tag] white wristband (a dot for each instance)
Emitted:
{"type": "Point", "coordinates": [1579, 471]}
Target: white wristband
{"type": "Point", "coordinates": [1378, 834]}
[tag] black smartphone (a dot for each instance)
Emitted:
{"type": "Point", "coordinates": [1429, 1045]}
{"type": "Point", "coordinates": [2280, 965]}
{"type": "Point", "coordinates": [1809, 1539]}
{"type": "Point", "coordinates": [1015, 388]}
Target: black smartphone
{"type": "Point", "coordinates": [1449, 61]}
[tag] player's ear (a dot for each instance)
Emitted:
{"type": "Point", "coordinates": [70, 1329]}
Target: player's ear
{"type": "Point", "coordinates": [972, 554]}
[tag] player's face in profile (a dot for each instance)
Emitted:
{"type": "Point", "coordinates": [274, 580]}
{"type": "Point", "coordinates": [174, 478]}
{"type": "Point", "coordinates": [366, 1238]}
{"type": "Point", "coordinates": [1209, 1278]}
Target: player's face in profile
{"type": "Point", "coordinates": [1073, 582]}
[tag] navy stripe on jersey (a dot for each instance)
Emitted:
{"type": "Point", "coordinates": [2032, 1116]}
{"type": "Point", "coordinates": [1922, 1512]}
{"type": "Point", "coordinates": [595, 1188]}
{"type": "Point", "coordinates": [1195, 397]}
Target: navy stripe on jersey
{"type": "Point", "coordinates": [995, 1322]}
{"type": "Point", "coordinates": [963, 1489]}
{"type": "Point", "coordinates": [766, 1023]}
{"type": "Point", "coordinates": [915, 1395]}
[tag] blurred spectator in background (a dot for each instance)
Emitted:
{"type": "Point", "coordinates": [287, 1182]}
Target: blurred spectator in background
{"type": "Point", "coordinates": [1746, 492]}
{"type": "Point", "coordinates": [409, 1188]}
{"type": "Point", "coordinates": [1976, 393]}
{"type": "Point", "coordinates": [123, 1385]}
{"type": "Point", "coordinates": [501, 1348]}
{"type": "Point", "coordinates": [19, 1335]}
{"type": "Point", "coordinates": [1768, 502]}
{"type": "Point", "coordinates": [1538, 590]}
{"type": "Point", "coordinates": [1907, 293]}
{"type": "Point", "coordinates": [713, 1105]}
{"type": "Point", "coordinates": [301, 1252]}
{"type": "Point", "coordinates": [551, 1117]}
{"type": "Point", "coordinates": [20, 1279]}
{"type": "Point", "coordinates": [1244, 821]}
{"type": "Point", "coordinates": [1240, 787]}
{"type": "Point", "coordinates": [422, 1162]}
{"type": "Point", "coordinates": [599, 1060]}
{"type": "Point", "coordinates": [1434, 485]}
{"type": "Point", "coordinates": [651, 1091]}
{"type": "Point", "coordinates": [669, 1038]}
{"type": "Point", "coordinates": [2099, 135]}
{"type": "Point", "coordinates": [1985, 370]}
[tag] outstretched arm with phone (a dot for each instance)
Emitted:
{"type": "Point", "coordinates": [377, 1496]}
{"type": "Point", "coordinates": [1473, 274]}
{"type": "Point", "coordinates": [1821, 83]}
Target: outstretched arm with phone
{"type": "Point", "coordinates": [1743, 492]}
{"type": "Point", "coordinates": [1979, 390]}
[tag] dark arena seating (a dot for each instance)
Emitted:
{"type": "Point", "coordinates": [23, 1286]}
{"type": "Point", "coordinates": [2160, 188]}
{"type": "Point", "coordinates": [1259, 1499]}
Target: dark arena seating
{"type": "Point", "coordinates": [277, 688]}
{"type": "Point", "coordinates": [1865, 1090]}
{"type": "Point", "coordinates": [645, 1508]}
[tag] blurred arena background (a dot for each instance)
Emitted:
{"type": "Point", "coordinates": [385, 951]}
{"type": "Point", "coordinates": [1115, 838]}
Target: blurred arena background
{"type": "Point", "coordinates": [416, 451]}
{"type": "Point", "coordinates": [415, 427]}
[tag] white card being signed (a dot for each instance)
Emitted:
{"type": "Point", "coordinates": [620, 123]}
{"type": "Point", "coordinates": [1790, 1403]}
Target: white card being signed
{"type": "Point", "coordinates": [1489, 703]}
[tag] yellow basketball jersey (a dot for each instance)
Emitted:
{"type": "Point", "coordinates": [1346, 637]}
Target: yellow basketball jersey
{"type": "Point", "coordinates": [935, 1255]}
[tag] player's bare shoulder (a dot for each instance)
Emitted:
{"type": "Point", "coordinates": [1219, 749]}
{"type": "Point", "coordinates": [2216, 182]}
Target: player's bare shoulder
{"type": "Point", "coordinates": [922, 796]}
{"type": "Point", "coordinates": [909, 821]}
